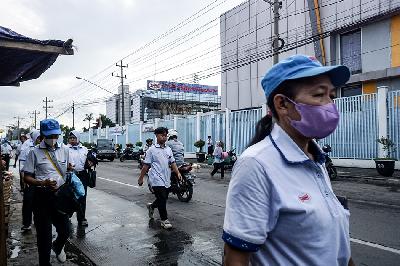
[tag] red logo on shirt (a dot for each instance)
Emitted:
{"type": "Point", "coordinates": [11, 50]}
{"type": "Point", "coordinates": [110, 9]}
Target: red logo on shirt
{"type": "Point", "coordinates": [305, 197]}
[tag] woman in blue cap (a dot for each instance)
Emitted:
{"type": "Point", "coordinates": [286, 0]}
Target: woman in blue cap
{"type": "Point", "coordinates": [280, 207]}
{"type": "Point", "coordinates": [45, 168]}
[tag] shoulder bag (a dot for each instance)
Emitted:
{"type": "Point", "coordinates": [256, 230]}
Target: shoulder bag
{"type": "Point", "coordinates": [65, 200]}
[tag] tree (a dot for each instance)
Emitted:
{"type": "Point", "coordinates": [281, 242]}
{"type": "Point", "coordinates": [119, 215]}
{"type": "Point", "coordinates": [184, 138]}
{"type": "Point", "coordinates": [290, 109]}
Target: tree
{"type": "Point", "coordinates": [88, 117]}
{"type": "Point", "coordinates": [66, 130]}
{"type": "Point", "coordinates": [105, 121]}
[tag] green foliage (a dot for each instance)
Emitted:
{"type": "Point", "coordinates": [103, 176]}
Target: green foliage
{"type": "Point", "coordinates": [88, 117]}
{"type": "Point", "coordinates": [65, 130]}
{"type": "Point", "coordinates": [139, 144]}
{"type": "Point", "coordinates": [388, 145]}
{"type": "Point", "coordinates": [200, 144]}
{"type": "Point", "coordinates": [105, 121]}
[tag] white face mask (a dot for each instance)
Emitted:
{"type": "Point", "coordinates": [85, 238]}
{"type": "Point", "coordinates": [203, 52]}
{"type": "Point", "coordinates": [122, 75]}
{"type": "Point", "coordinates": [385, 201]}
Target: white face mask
{"type": "Point", "coordinates": [51, 142]}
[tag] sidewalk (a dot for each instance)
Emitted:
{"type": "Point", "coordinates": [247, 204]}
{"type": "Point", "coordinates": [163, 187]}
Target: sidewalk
{"type": "Point", "coordinates": [22, 247]}
{"type": "Point", "coordinates": [363, 175]}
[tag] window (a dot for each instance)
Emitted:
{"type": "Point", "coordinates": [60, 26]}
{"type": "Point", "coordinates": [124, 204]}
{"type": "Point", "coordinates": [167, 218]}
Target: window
{"type": "Point", "coordinates": [351, 90]}
{"type": "Point", "coordinates": [131, 113]}
{"type": "Point", "coordinates": [350, 51]}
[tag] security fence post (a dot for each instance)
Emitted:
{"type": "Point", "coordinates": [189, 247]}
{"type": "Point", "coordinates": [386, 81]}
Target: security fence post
{"type": "Point", "coordinates": [382, 116]}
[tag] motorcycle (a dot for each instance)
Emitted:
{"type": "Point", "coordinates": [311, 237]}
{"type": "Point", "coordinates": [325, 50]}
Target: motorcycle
{"type": "Point", "coordinates": [130, 154]}
{"type": "Point", "coordinates": [182, 188]}
{"type": "Point", "coordinates": [331, 169]}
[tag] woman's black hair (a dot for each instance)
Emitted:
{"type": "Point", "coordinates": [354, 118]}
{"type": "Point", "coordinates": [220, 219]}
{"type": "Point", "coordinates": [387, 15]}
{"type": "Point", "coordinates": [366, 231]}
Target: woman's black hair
{"type": "Point", "coordinates": [264, 126]}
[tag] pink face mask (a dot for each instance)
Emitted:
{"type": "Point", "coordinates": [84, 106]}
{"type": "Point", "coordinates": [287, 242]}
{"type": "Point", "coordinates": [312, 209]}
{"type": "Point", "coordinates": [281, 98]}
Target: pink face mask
{"type": "Point", "coordinates": [317, 121]}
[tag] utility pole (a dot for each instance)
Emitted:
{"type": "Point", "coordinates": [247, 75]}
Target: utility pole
{"type": "Point", "coordinates": [18, 125]}
{"type": "Point", "coordinates": [122, 76]}
{"type": "Point", "coordinates": [46, 107]}
{"type": "Point", "coordinates": [276, 4]}
{"type": "Point", "coordinates": [73, 114]}
{"type": "Point", "coordinates": [35, 113]}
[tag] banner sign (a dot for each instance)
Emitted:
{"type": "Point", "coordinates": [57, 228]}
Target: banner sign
{"type": "Point", "coordinates": [181, 87]}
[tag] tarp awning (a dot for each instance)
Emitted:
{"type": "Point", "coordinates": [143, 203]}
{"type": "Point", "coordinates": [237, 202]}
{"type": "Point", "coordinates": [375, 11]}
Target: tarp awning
{"type": "Point", "coordinates": [23, 58]}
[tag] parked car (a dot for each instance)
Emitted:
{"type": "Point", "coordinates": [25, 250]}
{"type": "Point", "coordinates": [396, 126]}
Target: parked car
{"type": "Point", "coordinates": [105, 149]}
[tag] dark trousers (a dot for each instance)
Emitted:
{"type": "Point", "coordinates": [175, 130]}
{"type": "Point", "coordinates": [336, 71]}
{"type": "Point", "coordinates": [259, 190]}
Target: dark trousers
{"type": "Point", "coordinates": [218, 166]}
{"type": "Point", "coordinates": [160, 203]}
{"type": "Point", "coordinates": [27, 205]}
{"type": "Point", "coordinates": [46, 215]}
{"type": "Point", "coordinates": [6, 158]}
{"type": "Point", "coordinates": [80, 215]}
{"type": "Point", "coordinates": [210, 150]}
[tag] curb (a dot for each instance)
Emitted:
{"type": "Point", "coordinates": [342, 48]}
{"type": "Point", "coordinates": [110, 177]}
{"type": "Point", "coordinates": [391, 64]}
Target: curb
{"type": "Point", "coordinates": [372, 180]}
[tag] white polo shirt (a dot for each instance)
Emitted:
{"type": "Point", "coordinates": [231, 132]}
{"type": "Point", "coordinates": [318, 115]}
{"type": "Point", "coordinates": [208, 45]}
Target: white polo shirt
{"type": "Point", "coordinates": [24, 150]}
{"type": "Point", "coordinates": [281, 206]}
{"type": "Point", "coordinates": [159, 159]}
{"type": "Point", "coordinates": [77, 156]}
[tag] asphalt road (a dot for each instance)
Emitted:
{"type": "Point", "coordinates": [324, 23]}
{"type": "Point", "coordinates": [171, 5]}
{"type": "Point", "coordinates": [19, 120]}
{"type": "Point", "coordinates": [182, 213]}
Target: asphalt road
{"type": "Point", "coordinates": [196, 238]}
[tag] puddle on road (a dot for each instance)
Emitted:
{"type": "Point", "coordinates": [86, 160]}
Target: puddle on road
{"type": "Point", "coordinates": [15, 251]}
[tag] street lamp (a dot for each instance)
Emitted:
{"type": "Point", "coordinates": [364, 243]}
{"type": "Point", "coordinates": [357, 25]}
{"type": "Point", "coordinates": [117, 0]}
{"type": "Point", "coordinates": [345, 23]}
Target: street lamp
{"type": "Point", "coordinates": [95, 84]}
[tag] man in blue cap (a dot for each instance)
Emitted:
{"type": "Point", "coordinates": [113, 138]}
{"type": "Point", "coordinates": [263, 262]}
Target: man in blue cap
{"type": "Point", "coordinates": [45, 168]}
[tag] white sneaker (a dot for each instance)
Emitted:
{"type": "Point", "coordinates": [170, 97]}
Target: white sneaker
{"type": "Point", "coordinates": [62, 257]}
{"type": "Point", "coordinates": [166, 224]}
{"type": "Point", "coordinates": [151, 210]}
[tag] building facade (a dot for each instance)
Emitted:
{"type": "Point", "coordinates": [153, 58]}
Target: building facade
{"type": "Point", "coordinates": [162, 102]}
{"type": "Point", "coordinates": [114, 106]}
{"type": "Point", "coordinates": [164, 99]}
{"type": "Point", "coordinates": [361, 34]}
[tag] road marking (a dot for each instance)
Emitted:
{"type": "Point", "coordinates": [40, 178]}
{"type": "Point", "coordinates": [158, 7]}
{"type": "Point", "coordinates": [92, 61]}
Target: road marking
{"type": "Point", "coordinates": [110, 180]}
{"type": "Point", "coordinates": [362, 242]}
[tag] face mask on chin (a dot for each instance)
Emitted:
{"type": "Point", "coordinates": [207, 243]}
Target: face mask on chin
{"type": "Point", "coordinates": [50, 142]}
{"type": "Point", "coordinates": [317, 121]}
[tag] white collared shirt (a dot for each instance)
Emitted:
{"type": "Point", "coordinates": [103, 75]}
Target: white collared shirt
{"type": "Point", "coordinates": [24, 149]}
{"type": "Point", "coordinates": [280, 206]}
{"type": "Point", "coordinates": [6, 148]}
{"type": "Point", "coordinates": [39, 165]}
{"type": "Point", "coordinates": [159, 159]}
{"type": "Point", "coordinates": [77, 156]}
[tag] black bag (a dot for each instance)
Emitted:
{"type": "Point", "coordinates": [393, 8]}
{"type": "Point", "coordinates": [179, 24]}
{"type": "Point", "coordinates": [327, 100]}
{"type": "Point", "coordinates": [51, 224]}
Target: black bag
{"type": "Point", "coordinates": [65, 201]}
{"type": "Point", "coordinates": [91, 178]}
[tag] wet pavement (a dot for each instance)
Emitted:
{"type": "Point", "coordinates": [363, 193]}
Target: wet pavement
{"type": "Point", "coordinates": [120, 232]}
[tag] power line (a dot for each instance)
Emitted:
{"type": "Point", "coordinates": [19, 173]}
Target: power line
{"type": "Point", "coordinates": [46, 107]}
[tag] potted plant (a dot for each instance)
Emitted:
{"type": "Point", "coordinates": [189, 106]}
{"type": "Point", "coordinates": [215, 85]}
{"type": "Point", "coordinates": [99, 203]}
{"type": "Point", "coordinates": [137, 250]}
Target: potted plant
{"type": "Point", "coordinates": [200, 155]}
{"type": "Point", "coordinates": [139, 144]}
{"type": "Point", "coordinates": [385, 166]}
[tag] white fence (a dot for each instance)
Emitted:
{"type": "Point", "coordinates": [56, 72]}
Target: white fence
{"type": "Point", "coordinates": [363, 119]}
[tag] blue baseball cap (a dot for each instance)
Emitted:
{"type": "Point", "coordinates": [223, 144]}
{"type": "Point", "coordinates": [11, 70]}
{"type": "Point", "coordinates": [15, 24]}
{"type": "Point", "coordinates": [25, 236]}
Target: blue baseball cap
{"type": "Point", "coordinates": [50, 127]}
{"type": "Point", "coordinates": [302, 66]}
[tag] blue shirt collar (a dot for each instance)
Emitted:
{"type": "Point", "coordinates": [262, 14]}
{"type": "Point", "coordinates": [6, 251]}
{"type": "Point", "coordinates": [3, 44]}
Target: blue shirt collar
{"type": "Point", "coordinates": [289, 150]}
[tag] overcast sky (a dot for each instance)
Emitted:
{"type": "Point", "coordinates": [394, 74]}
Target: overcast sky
{"type": "Point", "coordinates": [104, 32]}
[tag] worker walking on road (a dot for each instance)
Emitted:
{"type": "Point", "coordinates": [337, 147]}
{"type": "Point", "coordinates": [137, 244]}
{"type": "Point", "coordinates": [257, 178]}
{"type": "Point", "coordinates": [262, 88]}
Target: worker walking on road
{"type": "Point", "coordinates": [159, 159]}
{"type": "Point", "coordinates": [27, 202]}
{"type": "Point", "coordinates": [280, 206]}
{"type": "Point", "coordinates": [78, 156]}
{"type": "Point", "coordinates": [20, 156]}
{"type": "Point", "coordinates": [45, 169]}
{"type": "Point", "coordinates": [6, 150]}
